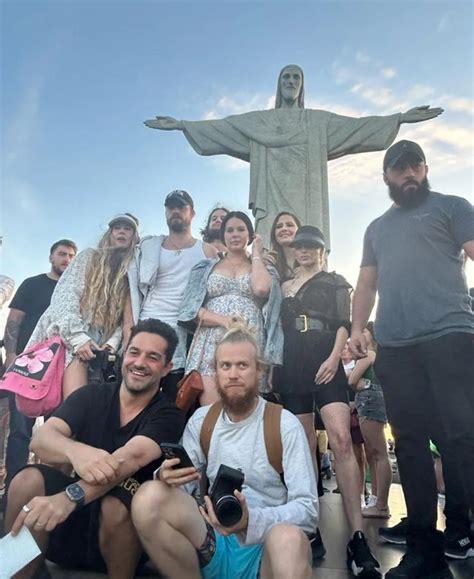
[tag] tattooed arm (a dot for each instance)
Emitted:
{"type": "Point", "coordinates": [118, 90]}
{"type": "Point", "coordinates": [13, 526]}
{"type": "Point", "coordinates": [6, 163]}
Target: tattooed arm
{"type": "Point", "coordinates": [12, 332]}
{"type": "Point", "coordinates": [7, 285]}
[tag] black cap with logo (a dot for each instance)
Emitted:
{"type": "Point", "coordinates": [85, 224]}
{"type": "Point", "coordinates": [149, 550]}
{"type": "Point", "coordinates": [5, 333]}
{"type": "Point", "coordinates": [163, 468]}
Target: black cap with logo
{"type": "Point", "coordinates": [180, 198]}
{"type": "Point", "coordinates": [399, 150]}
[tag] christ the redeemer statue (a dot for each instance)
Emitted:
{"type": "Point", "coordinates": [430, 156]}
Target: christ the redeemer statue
{"type": "Point", "coordinates": [288, 148]}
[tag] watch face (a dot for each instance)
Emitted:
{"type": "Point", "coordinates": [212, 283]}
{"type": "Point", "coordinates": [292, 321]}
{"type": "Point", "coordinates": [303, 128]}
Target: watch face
{"type": "Point", "coordinates": [75, 493]}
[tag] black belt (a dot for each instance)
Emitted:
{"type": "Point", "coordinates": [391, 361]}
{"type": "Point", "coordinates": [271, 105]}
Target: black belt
{"type": "Point", "coordinates": [304, 323]}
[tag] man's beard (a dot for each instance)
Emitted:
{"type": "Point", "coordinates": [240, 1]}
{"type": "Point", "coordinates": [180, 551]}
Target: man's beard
{"type": "Point", "coordinates": [240, 404]}
{"type": "Point", "coordinates": [411, 197]}
{"type": "Point", "coordinates": [176, 225]}
{"type": "Point", "coordinates": [57, 271]}
{"type": "Point", "coordinates": [143, 389]}
{"type": "Point", "coordinates": [138, 392]}
{"type": "Point", "coordinates": [213, 235]}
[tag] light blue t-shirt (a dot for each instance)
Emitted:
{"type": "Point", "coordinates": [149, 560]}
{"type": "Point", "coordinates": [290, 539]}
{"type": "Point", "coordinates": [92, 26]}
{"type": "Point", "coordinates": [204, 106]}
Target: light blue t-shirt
{"type": "Point", "coordinates": [421, 283]}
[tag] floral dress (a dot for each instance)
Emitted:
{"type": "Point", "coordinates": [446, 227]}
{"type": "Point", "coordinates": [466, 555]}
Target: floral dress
{"type": "Point", "coordinates": [229, 297]}
{"type": "Point", "coordinates": [64, 318]}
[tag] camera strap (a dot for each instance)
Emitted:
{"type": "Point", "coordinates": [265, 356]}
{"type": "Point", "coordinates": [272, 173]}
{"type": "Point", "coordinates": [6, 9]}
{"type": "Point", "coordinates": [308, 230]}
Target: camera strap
{"type": "Point", "coordinates": [271, 432]}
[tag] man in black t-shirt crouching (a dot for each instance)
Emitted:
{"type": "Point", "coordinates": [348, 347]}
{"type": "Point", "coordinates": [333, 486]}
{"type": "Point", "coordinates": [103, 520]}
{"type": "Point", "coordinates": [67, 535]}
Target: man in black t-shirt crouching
{"type": "Point", "coordinates": [110, 435]}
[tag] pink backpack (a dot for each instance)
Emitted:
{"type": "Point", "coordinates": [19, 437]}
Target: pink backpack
{"type": "Point", "coordinates": [36, 377]}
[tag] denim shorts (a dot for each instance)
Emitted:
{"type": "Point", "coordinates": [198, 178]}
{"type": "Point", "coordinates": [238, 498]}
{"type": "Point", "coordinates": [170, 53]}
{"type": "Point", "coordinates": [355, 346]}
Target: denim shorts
{"type": "Point", "coordinates": [233, 560]}
{"type": "Point", "coordinates": [371, 404]}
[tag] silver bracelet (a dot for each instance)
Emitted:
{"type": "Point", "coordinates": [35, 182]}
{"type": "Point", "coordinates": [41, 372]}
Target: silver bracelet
{"type": "Point", "coordinates": [255, 257]}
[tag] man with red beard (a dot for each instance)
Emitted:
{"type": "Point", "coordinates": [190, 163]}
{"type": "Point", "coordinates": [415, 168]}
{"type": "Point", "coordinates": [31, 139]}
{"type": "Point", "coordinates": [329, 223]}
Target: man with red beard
{"type": "Point", "coordinates": [268, 540]}
{"type": "Point", "coordinates": [413, 258]}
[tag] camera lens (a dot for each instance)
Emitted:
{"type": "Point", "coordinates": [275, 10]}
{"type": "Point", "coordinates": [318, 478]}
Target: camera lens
{"type": "Point", "coordinates": [228, 510]}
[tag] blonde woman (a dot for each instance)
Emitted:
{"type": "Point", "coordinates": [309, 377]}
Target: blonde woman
{"type": "Point", "coordinates": [88, 302]}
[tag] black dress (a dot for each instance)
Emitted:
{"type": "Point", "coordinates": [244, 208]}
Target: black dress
{"type": "Point", "coordinates": [325, 300]}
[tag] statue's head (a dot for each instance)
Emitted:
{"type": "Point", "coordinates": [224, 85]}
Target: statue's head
{"type": "Point", "coordinates": [290, 88]}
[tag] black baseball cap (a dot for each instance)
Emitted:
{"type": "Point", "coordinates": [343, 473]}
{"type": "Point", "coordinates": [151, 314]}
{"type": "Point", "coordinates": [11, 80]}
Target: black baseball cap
{"type": "Point", "coordinates": [179, 197]}
{"type": "Point", "coordinates": [400, 149]}
{"type": "Point", "coordinates": [309, 235]}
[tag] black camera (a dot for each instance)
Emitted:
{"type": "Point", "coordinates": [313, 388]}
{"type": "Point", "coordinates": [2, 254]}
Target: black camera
{"type": "Point", "coordinates": [103, 368]}
{"type": "Point", "coordinates": [226, 506]}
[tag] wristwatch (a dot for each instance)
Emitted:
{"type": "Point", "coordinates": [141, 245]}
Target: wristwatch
{"type": "Point", "coordinates": [75, 493]}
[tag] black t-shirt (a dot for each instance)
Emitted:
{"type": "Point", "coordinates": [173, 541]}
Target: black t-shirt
{"type": "Point", "coordinates": [32, 297]}
{"type": "Point", "coordinates": [93, 415]}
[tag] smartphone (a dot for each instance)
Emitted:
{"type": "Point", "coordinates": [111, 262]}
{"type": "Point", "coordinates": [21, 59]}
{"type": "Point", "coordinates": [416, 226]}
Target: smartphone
{"type": "Point", "coordinates": [172, 450]}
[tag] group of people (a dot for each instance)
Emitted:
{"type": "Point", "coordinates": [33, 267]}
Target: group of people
{"type": "Point", "coordinates": [264, 325]}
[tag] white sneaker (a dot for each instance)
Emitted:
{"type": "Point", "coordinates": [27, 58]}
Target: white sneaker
{"type": "Point", "coordinates": [371, 501]}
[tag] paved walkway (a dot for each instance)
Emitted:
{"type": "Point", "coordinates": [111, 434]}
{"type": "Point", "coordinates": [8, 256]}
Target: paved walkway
{"type": "Point", "coordinates": [335, 535]}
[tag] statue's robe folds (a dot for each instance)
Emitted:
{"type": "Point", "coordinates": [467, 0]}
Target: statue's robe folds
{"type": "Point", "coordinates": [288, 150]}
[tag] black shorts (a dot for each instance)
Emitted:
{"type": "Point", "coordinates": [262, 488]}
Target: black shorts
{"type": "Point", "coordinates": [298, 403]}
{"type": "Point", "coordinates": [74, 544]}
{"type": "Point", "coordinates": [304, 403]}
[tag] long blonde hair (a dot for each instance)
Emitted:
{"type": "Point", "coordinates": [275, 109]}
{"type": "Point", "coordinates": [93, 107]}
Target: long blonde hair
{"type": "Point", "coordinates": [106, 285]}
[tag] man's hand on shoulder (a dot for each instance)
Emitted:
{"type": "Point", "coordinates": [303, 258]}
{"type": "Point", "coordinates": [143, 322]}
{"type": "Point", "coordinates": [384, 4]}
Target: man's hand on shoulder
{"type": "Point", "coordinates": [44, 513]}
{"type": "Point", "coordinates": [210, 516]}
{"type": "Point", "coordinates": [94, 465]}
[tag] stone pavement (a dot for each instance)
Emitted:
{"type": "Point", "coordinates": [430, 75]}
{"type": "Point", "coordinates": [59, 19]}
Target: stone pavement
{"type": "Point", "coordinates": [335, 535]}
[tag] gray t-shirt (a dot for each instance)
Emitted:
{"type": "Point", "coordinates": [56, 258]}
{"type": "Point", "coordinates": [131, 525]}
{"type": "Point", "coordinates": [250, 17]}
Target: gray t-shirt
{"type": "Point", "coordinates": [421, 283]}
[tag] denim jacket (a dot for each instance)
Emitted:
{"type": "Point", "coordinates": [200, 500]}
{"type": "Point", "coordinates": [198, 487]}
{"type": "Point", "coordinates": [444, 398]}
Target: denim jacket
{"type": "Point", "coordinates": [195, 295]}
{"type": "Point", "coordinates": [142, 271]}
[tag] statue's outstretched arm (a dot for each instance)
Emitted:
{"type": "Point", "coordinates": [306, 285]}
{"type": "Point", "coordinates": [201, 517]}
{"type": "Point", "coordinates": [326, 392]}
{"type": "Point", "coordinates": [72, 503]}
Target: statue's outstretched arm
{"type": "Point", "coordinates": [164, 124]}
{"type": "Point", "coordinates": [419, 114]}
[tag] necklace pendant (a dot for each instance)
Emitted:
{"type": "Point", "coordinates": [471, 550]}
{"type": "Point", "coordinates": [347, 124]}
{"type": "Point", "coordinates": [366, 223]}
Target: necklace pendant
{"type": "Point", "coordinates": [178, 251]}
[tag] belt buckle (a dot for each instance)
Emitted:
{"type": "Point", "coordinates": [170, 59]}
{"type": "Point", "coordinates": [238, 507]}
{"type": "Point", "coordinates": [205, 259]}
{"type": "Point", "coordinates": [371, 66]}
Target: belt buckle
{"type": "Point", "coordinates": [305, 322]}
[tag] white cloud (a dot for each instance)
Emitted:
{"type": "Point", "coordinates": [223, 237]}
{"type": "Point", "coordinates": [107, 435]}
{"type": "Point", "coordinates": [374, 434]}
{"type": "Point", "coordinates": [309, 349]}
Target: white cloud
{"type": "Point", "coordinates": [230, 164]}
{"type": "Point", "coordinates": [352, 176]}
{"type": "Point", "coordinates": [378, 95]}
{"type": "Point", "coordinates": [389, 72]}
{"type": "Point", "coordinates": [459, 104]}
{"type": "Point", "coordinates": [419, 92]}
{"type": "Point", "coordinates": [368, 87]}
{"type": "Point", "coordinates": [339, 109]}
{"type": "Point", "coordinates": [238, 104]}
{"type": "Point", "coordinates": [446, 145]}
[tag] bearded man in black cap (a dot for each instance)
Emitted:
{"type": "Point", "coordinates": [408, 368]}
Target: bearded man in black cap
{"type": "Point", "coordinates": [159, 275]}
{"type": "Point", "coordinates": [413, 258]}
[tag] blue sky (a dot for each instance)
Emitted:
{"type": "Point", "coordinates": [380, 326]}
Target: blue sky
{"type": "Point", "coordinates": [79, 77]}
